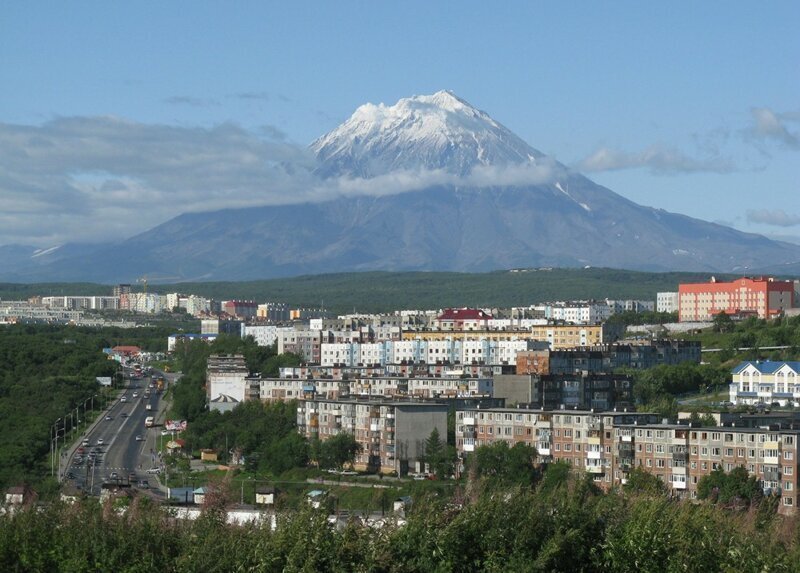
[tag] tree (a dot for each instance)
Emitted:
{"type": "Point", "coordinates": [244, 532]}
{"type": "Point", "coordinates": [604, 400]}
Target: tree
{"type": "Point", "coordinates": [641, 481]}
{"type": "Point", "coordinates": [722, 487]}
{"type": "Point", "coordinates": [723, 323]}
{"type": "Point", "coordinates": [339, 450]}
{"type": "Point", "coordinates": [509, 465]}
{"type": "Point", "coordinates": [438, 455]}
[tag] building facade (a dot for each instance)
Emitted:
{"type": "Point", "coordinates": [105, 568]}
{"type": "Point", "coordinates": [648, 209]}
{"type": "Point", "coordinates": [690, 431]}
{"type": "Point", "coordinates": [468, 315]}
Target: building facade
{"type": "Point", "coordinates": [764, 297]}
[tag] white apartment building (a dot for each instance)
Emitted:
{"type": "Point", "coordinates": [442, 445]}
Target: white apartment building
{"type": "Point", "coordinates": [667, 302]}
{"type": "Point", "coordinates": [264, 334]}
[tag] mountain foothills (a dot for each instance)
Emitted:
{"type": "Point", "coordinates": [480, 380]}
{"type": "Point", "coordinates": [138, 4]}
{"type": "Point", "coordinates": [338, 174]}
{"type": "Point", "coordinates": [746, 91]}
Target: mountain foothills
{"type": "Point", "coordinates": [430, 183]}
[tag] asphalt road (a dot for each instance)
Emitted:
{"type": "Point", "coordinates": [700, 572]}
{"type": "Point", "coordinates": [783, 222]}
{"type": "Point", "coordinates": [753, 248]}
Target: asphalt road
{"type": "Point", "coordinates": [120, 451]}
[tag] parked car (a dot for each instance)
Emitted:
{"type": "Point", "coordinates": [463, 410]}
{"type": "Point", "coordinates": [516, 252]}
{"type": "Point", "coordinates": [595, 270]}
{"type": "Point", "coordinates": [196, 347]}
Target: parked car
{"type": "Point", "coordinates": [139, 438]}
{"type": "Point", "coordinates": [99, 441]}
{"type": "Point", "coordinates": [113, 475]}
{"type": "Point", "coordinates": [143, 484]}
{"type": "Point", "coordinates": [154, 471]}
{"type": "Point", "coordinates": [109, 418]}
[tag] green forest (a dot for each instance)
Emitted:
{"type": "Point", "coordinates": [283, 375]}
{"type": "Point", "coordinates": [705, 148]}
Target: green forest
{"type": "Point", "coordinates": [46, 371]}
{"type": "Point", "coordinates": [388, 291]}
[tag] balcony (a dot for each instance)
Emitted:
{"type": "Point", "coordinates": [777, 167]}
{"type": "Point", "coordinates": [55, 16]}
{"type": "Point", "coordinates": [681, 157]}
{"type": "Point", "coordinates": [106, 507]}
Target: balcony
{"type": "Point", "coordinates": [678, 484]}
{"type": "Point", "coordinates": [626, 438]}
{"type": "Point", "coordinates": [543, 451]}
{"type": "Point", "coordinates": [469, 447]}
{"type": "Point", "coordinates": [680, 457]}
{"type": "Point", "coordinates": [469, 421]}
{"type": "Point", "coordinates": [594, 469]}
{"type": "Point", "coordinates": [594, 455]}
{"type": "Point", "coordinates": [771, 461]}
{"type": "Point", "coordinates": [593, 440]}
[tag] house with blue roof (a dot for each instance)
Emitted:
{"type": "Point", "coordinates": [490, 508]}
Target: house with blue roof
{"type": "Point", "coordinates": [766, 382]}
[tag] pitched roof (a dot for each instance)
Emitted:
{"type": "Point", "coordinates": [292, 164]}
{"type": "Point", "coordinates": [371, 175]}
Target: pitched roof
{"type": "Point", "coordinates": [766, 367]}
{"type": "Point", "coordinates": [464, 314]}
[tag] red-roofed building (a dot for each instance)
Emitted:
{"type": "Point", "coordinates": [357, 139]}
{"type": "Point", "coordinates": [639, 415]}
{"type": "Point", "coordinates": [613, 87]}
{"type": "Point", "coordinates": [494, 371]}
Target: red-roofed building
{"type": "Point", "coordinates": [126, 351]}
{"type": "Point", "coordinates": [463, 319]}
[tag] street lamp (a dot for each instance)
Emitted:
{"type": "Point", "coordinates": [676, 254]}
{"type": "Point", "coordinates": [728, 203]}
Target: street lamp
{"type": "Point", "coordinates": [56, 454]}
{"type": "Point", "coordinates": [52, 449]}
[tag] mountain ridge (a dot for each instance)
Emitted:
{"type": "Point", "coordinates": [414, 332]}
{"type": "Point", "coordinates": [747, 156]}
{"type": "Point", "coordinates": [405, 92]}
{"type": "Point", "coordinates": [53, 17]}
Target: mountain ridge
{"type": "Point", "coordinates": [495, 203]}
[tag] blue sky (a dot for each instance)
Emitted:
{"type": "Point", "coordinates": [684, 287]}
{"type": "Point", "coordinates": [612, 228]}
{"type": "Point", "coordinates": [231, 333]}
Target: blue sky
{"type": "Point", "coordinates": [117, 116]}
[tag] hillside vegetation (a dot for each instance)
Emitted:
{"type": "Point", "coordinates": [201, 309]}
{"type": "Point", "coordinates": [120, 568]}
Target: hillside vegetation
{"type": "Point", "coordinates": [386, 291]}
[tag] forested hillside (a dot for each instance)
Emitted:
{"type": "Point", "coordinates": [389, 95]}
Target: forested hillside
{"type": "Point", "coordinates": [45, 371]}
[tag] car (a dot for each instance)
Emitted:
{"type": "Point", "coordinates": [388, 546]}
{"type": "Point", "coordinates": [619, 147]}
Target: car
{"type": "Point", "coordinates": [114, 475]}
{"type": "Point", "coordinates": [165, 432]}
{"type": "Point", "coordinates": [123, 399]}
{"type": "Point", "coordinates": [99, 441]}
{"type": "Point", "coordinates": [70, 475]}
{"type": "Point", "coordinates": [85, 441]}
{"type": "Point", "coordinates": [135, 394]}
{"type": "Point", "coordinates": [109, 418]}
{"type": "Point", "coordinates": [143, 484]}
{"type": "Point", "coordinates": [132, 477]}
{"type": "Point", "coordinates": [154, 471]}
{"type": "Point", "coordinates": [123, 415]}
{"type": "Point", "coordinates": [139, 438]}
{"type": "Point", "coordinates": [81, 450]}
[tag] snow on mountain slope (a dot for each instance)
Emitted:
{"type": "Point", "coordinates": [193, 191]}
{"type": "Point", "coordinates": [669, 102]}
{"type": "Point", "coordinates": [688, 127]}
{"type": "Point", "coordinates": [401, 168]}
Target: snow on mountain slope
{"type": "Point", "coordinates": [439, 131]}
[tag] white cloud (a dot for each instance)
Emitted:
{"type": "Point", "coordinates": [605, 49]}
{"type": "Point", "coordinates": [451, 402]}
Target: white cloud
{"type": "Point", "coordinates": [776, 217]}
{"type": "Point", "coordinates": [658, 159]}
{"type": "Point", "coordinates": [84, 179]}
{"type": "Point", "coordinates": [770, 125]}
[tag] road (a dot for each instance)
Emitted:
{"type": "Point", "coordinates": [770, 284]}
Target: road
{"type": "Point", "coordinates": [114, 441]}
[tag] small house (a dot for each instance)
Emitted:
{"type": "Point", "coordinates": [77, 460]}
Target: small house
{"type": "Point", "coordinates": [209, 456]}
{"type": "Point", "coordinates": [199, 495]}
{"type": "Point", "coordinates": [316, 497]}
{"type": "Point", "coordinates": [265, 495]}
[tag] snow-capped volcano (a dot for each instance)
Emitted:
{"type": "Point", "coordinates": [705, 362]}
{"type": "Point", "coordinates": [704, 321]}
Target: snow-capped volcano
{"type": "Point", "coordinates": [439, 131]}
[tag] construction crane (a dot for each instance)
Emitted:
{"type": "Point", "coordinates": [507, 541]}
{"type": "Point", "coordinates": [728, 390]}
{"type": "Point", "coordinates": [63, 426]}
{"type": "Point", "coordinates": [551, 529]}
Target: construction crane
{"type": "Point", "coordinates": [144, 279]}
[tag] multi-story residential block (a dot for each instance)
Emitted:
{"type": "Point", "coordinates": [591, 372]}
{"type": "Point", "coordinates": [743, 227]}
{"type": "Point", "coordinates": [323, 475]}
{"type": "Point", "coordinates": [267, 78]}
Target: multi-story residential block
{"type": "Point", "coordinates": [446, 351]}
{"type": "Point", "coordinates": [608, 357]}
{"type": "Point", "coordinates": [570, 336]}
{"type": "Point", "coordinates": [463, 319]}
{"type": "Point", "coordinates": [263, 334]}
{"type": "Point", "coordinates": [273, 312]}
{"type": "Point", "coordinates": [764, 297]}
{"type": "Point", "coordinates": [220, 326]}
{"type": "Point", "coordinates": [765, 383]}
{"type": "Point", "coordinates": [377, 385]}
{"type": "Point", "coordinates": [667, 301]}
{"type": "Point", "coordinates": [391, 433]}
{"type": "Point", "coordinates": [241, 309]}
{"type": "Point", "coordinates": [599, 391]}
{"type": "Point", "coordinates": [81, 302]}
{"type": "Point", "coordinates": [609, 445]}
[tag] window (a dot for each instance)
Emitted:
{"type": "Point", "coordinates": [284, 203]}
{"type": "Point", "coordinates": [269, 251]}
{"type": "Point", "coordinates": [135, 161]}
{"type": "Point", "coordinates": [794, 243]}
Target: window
{"type": "Point", "coordinates": [787, 501]}
{"type": "Point", "coordinates": [788, 455]}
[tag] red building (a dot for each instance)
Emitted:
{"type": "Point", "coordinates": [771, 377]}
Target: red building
{"type": "Point", "coordinates": [463, 319]}
{"type": "Point", "coordinates": [762, 296]}
{"type": "Point", "coordinates": [240, 308]}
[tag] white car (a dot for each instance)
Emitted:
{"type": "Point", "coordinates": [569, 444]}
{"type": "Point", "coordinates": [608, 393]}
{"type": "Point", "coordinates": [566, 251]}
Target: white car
{"type": "Point", "coordinates": [154, 471]}
{"type": "Point", "coordinates": [123, 399]}
{"type": "Point", "coordinates": [99, 441]}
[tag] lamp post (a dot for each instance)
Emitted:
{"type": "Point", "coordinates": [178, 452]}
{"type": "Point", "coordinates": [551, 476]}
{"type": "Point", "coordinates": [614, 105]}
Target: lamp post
{"type": "Point", "coordinates": [56, 453]}
{"type": "Point", "coordinates": [52, 449]}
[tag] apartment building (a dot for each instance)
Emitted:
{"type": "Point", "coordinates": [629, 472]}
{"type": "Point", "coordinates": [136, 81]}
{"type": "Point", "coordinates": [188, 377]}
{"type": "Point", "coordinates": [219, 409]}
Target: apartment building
{"type": "Point", "coordinates": [561, 336]}
{"type": "Point", "coordinates": [667, 301]}
{"type": "Point", "coordinates": [586, 390]}
{"type": "Point", "coordinates": [355, 386]}
{"type": "Point", "coordinates": [767, 382]}
{"type": "Point", "coordinates": [608, 357]}
{"type": "Point", "coordinates": [764, 297]}
{"type": "Point", "coordinates": [609, 445]}
{"type": "Point", "coordinates": [391, 433]}
{"type": "Point", "coordinates": [451, 350]}
{"type": "Point", "coordinates": [263, 334]}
